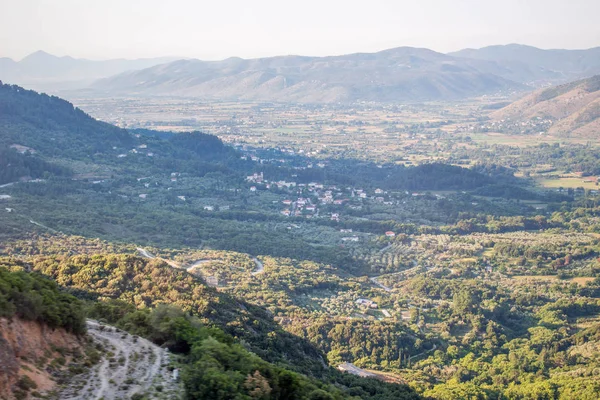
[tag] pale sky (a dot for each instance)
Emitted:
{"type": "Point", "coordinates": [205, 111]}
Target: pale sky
{"type": "Point", "coordinates": [217, 29]}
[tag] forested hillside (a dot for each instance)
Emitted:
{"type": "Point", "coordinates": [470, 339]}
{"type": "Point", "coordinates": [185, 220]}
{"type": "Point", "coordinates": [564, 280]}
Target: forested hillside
{"type": "Point", "coordinates": [224, 342]}
{"type": "Point", "coordinates": [100, 180]}
{"type": "Point", "coordinates": [37, 128]}
{"type": "Point", "coordinates": [52, 126]}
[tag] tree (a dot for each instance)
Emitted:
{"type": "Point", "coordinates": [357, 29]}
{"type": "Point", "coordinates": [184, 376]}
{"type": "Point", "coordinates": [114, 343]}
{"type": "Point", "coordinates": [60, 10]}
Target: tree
{"type": "Point", "coordinates": [464, 301]}
{"type": "Point", "coordinates": [257, 385]}
{"type": "Point", "coordinates": [320, 395]}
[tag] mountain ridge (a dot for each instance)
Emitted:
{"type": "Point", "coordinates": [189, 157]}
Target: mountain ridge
{"type": "Point", "coordinates": [402, 73]}
{"type": "Point", "coordinates": [538, 67]}
{"type": "Point", "coordinates": [397, 74]}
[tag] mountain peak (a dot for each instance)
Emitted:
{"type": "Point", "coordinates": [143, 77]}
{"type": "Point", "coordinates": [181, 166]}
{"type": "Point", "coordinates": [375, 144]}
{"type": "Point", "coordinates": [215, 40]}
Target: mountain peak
{"type": "Point", "coordinates": [39, 55]}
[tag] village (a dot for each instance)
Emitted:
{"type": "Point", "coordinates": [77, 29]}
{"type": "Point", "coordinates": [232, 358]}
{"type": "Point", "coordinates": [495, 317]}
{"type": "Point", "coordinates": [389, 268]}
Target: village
{"type": "Point", "coordinates": [317, 200]}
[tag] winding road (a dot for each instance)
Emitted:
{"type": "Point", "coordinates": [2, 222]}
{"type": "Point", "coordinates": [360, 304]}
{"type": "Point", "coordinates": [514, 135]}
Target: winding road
{"type": "Point", "coordinates": [197, 264]}
{"type": "Point", "coordinates": [146, 254]}
{"type": "Point", "coordinates": [260, 268]}
{"type": "Point", "coordinates": [381, 285]}
{"type": "Point", "coordinates": [354, 370]}
{"type": "Point", "coordinates": [387, 288]}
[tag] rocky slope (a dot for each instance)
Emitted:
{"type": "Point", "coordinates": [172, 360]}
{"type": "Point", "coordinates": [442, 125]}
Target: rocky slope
{"type": "Point", "coordinates": [33, 350]}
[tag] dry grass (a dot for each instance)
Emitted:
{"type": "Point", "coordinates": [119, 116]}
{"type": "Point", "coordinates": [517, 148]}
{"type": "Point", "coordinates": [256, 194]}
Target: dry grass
{"type": "Point", "coordinates": [582, 280]}
{"type": "Point", "coordinates": [568, 182]}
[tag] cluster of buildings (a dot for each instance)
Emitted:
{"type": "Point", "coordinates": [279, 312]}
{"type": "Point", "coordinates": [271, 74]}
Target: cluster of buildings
{"type": "Point", "coordinates": [259, 178]}
{"type": "Point", "coordinates": [366, 303]}
{"type": "Point", "coordinates": [141, 149]}
{"type": "Point", "coordinates": [299, 207]}
{"type": "Point", "coordinates": [536, 125]}
{"type": "Point", "coordinates": [314, 197]}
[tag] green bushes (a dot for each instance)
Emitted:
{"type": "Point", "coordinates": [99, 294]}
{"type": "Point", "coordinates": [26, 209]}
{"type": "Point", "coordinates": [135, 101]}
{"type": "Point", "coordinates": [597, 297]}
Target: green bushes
{"type": "Point", "coordinates": [34, 298]}
{"type": "Point", "coordinates": [215, 366]}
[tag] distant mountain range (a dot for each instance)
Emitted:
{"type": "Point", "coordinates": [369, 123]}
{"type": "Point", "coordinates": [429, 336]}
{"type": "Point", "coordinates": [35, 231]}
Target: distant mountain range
{"type": "Point", "coordinates": [43, 71]}
{"type": "Point", "coordinates": [400, 74]}
{"type": "Point", "coordinates": [573, 108]}
{"type": "Point", "coordinates": [537, 67]}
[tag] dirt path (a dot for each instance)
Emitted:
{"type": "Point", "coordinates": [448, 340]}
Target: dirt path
{"type": "Point", "coordinates": [424, 352]}
{"type": "Point", "coordinates": [385, 248]}
{"type": "Point", "coordinates": [145, 253]}
{"type": "Point", "coordinates": [131, 365]}
{"type": "Point", "coordinates": [354, 370]}
{"type": "Point", "coordinates": [260, 268]}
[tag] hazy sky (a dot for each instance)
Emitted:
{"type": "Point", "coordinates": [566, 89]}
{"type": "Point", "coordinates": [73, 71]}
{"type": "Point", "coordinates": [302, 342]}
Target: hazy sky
{"type": "Point", "coordinates": [216, 29]}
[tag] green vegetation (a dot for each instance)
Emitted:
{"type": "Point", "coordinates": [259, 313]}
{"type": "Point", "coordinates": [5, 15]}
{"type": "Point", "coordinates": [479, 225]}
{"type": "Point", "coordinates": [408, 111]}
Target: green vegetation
{"type": "Point", "coordinates": [216, 367]}
{"type": "Point", "coordinates": [52, 126]}
{"type": "Point", "coordinates": [15, 166]}
{"type": "Point", "coordinates": [34, 298]}
{"type": "Point", "coordinates": [142, 283]}
{"type": "Point", "coordinates": [266, 269]}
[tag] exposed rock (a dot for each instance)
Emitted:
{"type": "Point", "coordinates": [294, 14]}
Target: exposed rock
{"type": "Point", "coordinates": [25, 349]}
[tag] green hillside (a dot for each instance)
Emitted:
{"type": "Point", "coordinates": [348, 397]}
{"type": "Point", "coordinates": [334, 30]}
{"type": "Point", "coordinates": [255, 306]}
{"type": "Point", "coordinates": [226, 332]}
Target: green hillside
{"type": "Point", "coordinates": [34, 298]}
